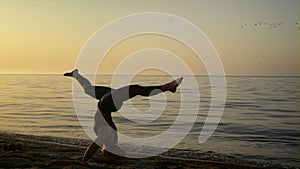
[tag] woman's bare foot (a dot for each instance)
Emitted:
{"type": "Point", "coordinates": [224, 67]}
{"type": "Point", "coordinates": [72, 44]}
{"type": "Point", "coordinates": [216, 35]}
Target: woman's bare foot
{"type": "Point", "coordinates": [172, 86]}
{"type": "Point", "coordinates": [71, 74]}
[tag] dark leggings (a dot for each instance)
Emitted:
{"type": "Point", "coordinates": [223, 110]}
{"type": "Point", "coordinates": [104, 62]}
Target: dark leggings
{"type": "Point", "coordinates": [111, 100]}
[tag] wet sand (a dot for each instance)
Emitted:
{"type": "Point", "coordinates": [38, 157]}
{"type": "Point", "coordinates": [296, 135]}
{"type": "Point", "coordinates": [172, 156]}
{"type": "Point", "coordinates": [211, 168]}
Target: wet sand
{"type": "Point", "coordinates": [17, 151]}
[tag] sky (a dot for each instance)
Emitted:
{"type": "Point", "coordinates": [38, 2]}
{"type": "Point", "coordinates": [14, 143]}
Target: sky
{"type": "Point", "coordinates": [257, 37]}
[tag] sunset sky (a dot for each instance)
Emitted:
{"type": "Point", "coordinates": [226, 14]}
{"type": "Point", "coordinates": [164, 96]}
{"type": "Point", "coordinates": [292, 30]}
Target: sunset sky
{"type": "Point", "coordinates": [252, 37]}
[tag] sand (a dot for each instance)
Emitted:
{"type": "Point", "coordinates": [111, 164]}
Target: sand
{"type": "Point", "coordinates": [20, 152]}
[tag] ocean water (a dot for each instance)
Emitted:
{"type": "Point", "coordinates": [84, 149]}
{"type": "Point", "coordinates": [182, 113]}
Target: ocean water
{"type": "Point", "coordinates": [261, 119]}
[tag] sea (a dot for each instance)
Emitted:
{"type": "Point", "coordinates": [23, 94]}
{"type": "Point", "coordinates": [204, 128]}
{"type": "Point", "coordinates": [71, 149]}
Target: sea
{"type": "Point", "coordinates": [260, 124]}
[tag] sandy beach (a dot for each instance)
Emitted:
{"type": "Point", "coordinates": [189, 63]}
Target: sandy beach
{"type": "Point", "coordinates": [21, 151]}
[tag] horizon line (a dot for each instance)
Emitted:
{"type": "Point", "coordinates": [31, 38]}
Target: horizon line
{"type": "Point", "coordinates": [230, 75]}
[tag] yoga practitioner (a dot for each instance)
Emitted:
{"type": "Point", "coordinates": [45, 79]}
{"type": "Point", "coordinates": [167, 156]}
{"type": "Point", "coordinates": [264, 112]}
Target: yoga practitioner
{"type": "Point", "coordinates": [111, 100]}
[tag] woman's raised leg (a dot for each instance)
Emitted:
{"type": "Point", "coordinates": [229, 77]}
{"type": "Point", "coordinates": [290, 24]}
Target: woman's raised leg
{"type": "Point", "coordinates": [131, 91]}
{"type": "Point", "coordinates": [96, 92]}
{"type": "Point", "coordinates": [113, 102]}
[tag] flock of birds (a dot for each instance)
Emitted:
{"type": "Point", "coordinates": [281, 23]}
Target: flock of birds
{"type": "Point", "coordinates": [266, 24]}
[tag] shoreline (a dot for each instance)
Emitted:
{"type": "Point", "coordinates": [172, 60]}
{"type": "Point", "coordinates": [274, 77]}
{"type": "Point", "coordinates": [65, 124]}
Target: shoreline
{"type": "Point", "coordinates": [27, 151]}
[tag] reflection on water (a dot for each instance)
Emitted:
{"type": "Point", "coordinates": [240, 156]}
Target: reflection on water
{"type": "Point", "coordinates": [261, 117]}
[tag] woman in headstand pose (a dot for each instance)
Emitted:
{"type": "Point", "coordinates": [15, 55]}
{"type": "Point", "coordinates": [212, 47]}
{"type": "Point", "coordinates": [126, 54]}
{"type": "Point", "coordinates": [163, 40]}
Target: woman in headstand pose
{"type": "Point", "coordinates": [111, 100]}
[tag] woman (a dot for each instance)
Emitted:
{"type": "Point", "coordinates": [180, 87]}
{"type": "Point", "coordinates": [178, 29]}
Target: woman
{"type": "Point", "coordinates": [111, 100]}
